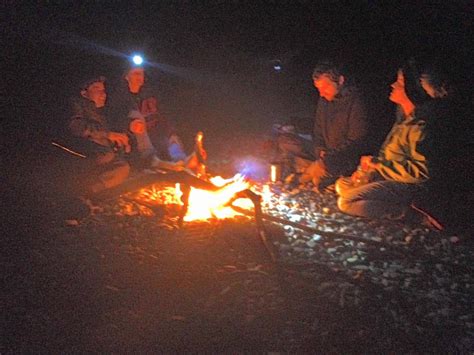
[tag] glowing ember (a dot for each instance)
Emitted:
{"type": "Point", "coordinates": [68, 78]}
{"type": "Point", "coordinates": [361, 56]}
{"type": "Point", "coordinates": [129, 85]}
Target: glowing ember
{"type": "Point", "coordinates": [164, 195]}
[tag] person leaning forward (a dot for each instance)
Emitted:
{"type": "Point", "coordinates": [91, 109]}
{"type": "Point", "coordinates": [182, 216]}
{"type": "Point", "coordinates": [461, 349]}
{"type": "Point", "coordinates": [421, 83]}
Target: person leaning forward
{"type": "Point", "coordinates": [105, 167]}
{"type": "Point", "coordinates": [340, 127]}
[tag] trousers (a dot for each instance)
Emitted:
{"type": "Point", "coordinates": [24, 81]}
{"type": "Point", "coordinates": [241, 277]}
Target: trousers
{"type": "Point", "coordinates": [378, 199]}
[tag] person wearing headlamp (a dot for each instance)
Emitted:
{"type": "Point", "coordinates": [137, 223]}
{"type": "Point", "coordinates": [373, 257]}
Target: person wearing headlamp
{"type": "Point", "coordinates": [135, 108]}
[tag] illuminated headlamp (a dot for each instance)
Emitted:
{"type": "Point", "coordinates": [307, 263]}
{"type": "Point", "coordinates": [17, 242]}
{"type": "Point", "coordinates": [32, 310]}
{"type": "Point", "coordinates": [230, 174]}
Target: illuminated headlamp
{"type": "Point", "coordinates": [137, 59]}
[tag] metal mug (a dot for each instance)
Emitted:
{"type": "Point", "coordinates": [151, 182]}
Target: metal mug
{"type": "Point", "coordinates": [275, 172]}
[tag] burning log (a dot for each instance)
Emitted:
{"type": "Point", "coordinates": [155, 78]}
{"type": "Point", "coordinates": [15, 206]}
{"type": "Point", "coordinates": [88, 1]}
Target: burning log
{"type": "Point", "coordinates": [201, 155]}
{"type": "Point", "coordinates": [144, 180]}
{"type": "Point", "coordinates": [264, 236]}
{"type": "Point", "coordinates": [186, 190]}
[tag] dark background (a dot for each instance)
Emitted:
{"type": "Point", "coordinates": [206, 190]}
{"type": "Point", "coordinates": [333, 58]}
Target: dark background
{"type": "Point", "coordinates": [213, 65]}
{"type": "Point", "coordinates": [213, 60]}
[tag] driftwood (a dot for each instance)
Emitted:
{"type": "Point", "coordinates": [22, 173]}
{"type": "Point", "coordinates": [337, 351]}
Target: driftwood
{"type": "Point", "coordinates": [146, 179]}
{"type": "Point", "coordinates": [306, 228]}
{"type": "Point", "coordinates": [262, 232]}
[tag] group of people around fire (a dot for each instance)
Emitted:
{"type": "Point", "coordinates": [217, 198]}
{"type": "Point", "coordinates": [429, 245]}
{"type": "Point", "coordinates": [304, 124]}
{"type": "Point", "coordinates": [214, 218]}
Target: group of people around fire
{"type": "Point", "coordinates": [410, 170]}
{"type": "Point", "coordinates": [127, 131]}
{"type": "Point", "coordinates": [138, 138]}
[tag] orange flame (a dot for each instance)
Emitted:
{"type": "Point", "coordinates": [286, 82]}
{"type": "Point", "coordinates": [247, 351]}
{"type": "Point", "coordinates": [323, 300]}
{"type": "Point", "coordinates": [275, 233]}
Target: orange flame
{"type": "Point", "coordinates": [211, 204]}
{"type": "Point", "coordinates": [202, 204]}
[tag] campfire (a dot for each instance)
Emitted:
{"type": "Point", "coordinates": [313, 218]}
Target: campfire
{"type": "Point", "coordinates": [200, 197]}
{"type": "Point", "coordinates": [203, 204]}
{"type": "Point", "coordinates": [233, 199]}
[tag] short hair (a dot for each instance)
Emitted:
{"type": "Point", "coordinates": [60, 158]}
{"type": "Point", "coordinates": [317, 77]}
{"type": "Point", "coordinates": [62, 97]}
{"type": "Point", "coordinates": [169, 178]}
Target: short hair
{"type": "Point", "coordinates": [333, 70]}
{"type": "Point", "coordinates": [88, 82]}
{"type": "Point", "coordinates": [129, 68]}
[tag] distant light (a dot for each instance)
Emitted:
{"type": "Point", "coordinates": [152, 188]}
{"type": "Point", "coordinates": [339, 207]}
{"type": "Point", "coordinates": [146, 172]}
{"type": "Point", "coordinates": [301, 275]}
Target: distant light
{"type": "Point", "coordinates": [137, 59]}
{"type": "Point", "coordinates": [277, 65]}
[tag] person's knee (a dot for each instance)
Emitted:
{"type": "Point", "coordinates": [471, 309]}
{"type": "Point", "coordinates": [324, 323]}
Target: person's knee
{"type": "Point", "coordinates": [342, 185]}
{"type": "Point", "coordinates": [176, 151]}
{"type": "Point", "coordinates": [122, 170]}
{"type": "Point", "coordinates": [350, 207]}
{"type": "Point", "coordinates": [289, 145]}
{"type": "Point", "coordinates": [343, 204]}
{"type": "Point", "coordinates": [115, 176]}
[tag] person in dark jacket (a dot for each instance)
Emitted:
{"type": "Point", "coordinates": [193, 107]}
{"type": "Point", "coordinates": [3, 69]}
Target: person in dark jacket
{"type": "Point", "coordinates": [449, 142]}
{"type": "Point", "coordinates": [101, 147]}
{"type": "Point", "coordinates": [134, 106]}
{"type": "Point", "coordinates": [340, 127]}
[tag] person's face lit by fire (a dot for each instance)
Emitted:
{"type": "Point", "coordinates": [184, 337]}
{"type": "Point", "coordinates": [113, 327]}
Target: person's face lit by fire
{"type": "Point", "coordinates": [398, 94]}
{"type": "Point", "coordinates": [135, 79]}
{"type": "Point", "coordinates": [328, 88]}
{"type": "Point", "coordinates": [95, 92]}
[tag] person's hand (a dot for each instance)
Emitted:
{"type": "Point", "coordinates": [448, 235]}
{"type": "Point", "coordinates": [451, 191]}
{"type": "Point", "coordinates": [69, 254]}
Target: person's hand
{"type": "Point", "coordinates": [355, 177]}
{"type": "Point", "coordinates": [137, 127]}
{"type": "Point", "coordinates": [105, 158]}
{"type": "Point", "coordinates": [120, 140]}
{"type": "Point", "coordinates": [367, 163]}
{"type": "Point", "coordinates": [315, 172]}
{"type": "Point", "coordinates": [178, 166]}
{"type": "Point", "coordinates": [149, 106]}
{"type": "Point", "coordinates": [168, 165]}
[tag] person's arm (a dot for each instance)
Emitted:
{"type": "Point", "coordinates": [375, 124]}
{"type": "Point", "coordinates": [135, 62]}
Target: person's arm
{"type": "Point", "coordinates": [355, 140]}
{"type": "Point", "coordinates": [93, 131]}
{"type": "Point", "coordinates": [412, 167]}
{"type": "Point", "coordinates": [156, 121]}
{"type": "Point", "coordinates": [91, 140]}
{"type": "Point", "coordinates": [319, 146]}
{"type": "Point", "coordinates": [149, 109]}
{"type": "Point", "coordinates": [82, 126]}
{"type": "Point", "coordinates": [119, 105]}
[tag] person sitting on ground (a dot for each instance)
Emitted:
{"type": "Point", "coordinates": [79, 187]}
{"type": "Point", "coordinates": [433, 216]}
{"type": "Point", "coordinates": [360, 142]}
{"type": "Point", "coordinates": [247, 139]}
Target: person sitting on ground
{"type": "Point", "coordinates": [135, 108]}
{"type": "Point", "coordinates": [106, 152]}
{"type": "Point", "coordinates": [340, 126]}
{"type": "Point", "coordinates": [385, 186]}
{"type": "Point", "coordinates": [447, 138]}
{"type": "Point", "coordinates": [102, 148]}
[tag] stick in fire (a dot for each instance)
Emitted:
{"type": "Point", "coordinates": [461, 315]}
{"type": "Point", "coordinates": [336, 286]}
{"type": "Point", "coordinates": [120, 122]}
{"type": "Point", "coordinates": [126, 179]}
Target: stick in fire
{"type": "Point", "coordinates": [264, 236]}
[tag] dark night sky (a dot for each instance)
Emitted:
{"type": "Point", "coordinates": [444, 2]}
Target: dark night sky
{"type": "Point", "coordinates": [222, 52]}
